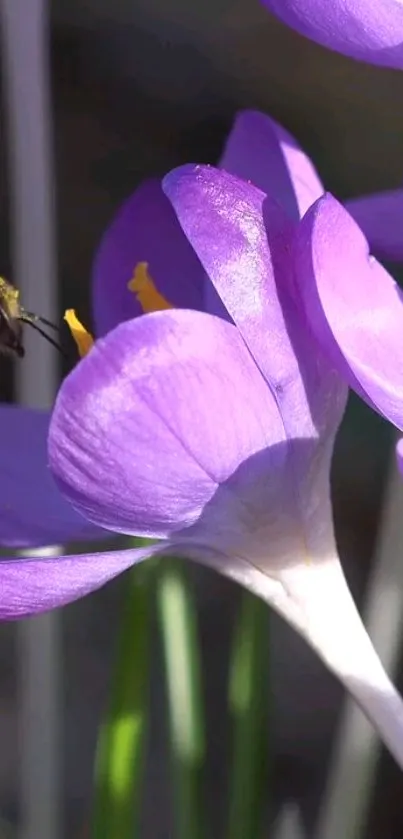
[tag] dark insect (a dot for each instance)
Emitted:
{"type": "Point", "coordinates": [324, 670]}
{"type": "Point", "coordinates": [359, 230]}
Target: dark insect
{"type": "Point", "coordinates": [12, 318]}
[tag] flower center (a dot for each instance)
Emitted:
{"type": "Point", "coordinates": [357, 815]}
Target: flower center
{"type": "Point", "coordinates": [142, 286]}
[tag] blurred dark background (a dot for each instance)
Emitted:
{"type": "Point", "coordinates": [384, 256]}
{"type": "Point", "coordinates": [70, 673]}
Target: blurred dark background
{"type": "Point", "coordinates": [139, 87]}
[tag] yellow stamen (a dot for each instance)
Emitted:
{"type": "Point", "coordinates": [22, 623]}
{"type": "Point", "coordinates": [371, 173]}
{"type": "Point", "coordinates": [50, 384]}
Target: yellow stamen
{"type": "Point", "coordinates": [82, 338]}
{"type": "Point", "coordinates": [142, 285]}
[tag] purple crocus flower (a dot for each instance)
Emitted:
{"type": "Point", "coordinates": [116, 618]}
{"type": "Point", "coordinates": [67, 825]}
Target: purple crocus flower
{"type": "Point", "coordinates": [215, 435]}
{"type": "Point", "coordinates": [210, 428]}
{"type": "Point", "coordinates": [368, 30]}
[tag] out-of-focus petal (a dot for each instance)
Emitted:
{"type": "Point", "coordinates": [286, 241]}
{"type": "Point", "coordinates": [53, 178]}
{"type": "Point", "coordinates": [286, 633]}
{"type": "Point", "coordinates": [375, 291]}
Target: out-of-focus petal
{"type": "Point", "coordinates": [145, 229]}
{"type": "Point", "coordinates": [354, 307]}
{"type": "Point", "coordinates": [368, 30]}
{"type": "Point", "coordinates": [161, 412]}
{"type": "Point", "coordinates": [243, 240]}
{"type": "Point", "coordinates": [380, 217]}
{"type": "Point", "coordinates": [262, 152]}
{"type": "Point", "coordinates": [33, 513]}
{"type": "Point", "coordinates": [31, 585]}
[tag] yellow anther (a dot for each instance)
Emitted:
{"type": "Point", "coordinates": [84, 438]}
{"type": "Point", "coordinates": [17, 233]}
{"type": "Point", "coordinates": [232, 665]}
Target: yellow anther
{"type": "Point", "coordinates": [82, 338]}
{"type": "Point", "coordinates": [142, 285]}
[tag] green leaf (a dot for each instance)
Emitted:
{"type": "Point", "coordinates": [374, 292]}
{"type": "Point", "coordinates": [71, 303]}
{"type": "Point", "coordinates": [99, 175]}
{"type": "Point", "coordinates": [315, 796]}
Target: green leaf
{"type": "Point", "coordinates": [120, 751]}
{"type": "Point", "coordinates": [178, 623]}
{"type": "Point", "coordinates": [248, 707]}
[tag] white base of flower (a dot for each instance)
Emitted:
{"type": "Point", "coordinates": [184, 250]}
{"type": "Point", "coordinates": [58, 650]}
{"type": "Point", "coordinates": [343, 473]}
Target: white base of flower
{"type": "Point", "coordinates": [316, 600]}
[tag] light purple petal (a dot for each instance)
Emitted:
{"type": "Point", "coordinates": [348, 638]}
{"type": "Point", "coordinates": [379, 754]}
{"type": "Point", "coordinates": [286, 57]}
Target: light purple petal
{"type": "Point", "coordinates": [161, 412]}
{"type": "Point", "coordinates": [380, 217]}
{"type": "Point", "coordinates": [354, 307]}
{"type": "Point", "coordinates": [243, 240]}
{"type": "Point", "coordinates": [262, 152]}
{"type": "Point", "coordinates": [399, 454]}
{"type": "Point", "coordinates": [32, 510]}
{"type": "Point", "coordinates": [144, 230]}
{"type": "Point", "coordinates": [32, 585]}
{"type": "Point", "coordinates": [369, 30]}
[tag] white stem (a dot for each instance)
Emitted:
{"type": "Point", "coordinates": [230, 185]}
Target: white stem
{"type": "Point", "coordinates": [323, 611]}
{"type": "Point", "coordinates": [352, 772]}
{"type": "Point", "coordinates": [25, 45]}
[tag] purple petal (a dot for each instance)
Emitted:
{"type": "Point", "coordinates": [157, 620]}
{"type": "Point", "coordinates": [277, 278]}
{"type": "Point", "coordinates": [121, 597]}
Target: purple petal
{"type": "Point", "coordinates": [354, 307]}
{"type": "Point", "coordinates": [380, 217]}
{"type": "Point", "coordinates": [262, 152]}
{"type": "Point", "coordinates": [32, 511]}
{"type": "Point", "coordinates": [368, 31]}
{"type": "Point", "coordinates": [161, 411]}
{"type": "Point", "coordinates": [243, 239]}
{"type": "Point", "coordinates": [37, 584]}
{"type": "Point", "coordinates": [399, 455]}
{"type": "Point", "coordinates": [144, 230]}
